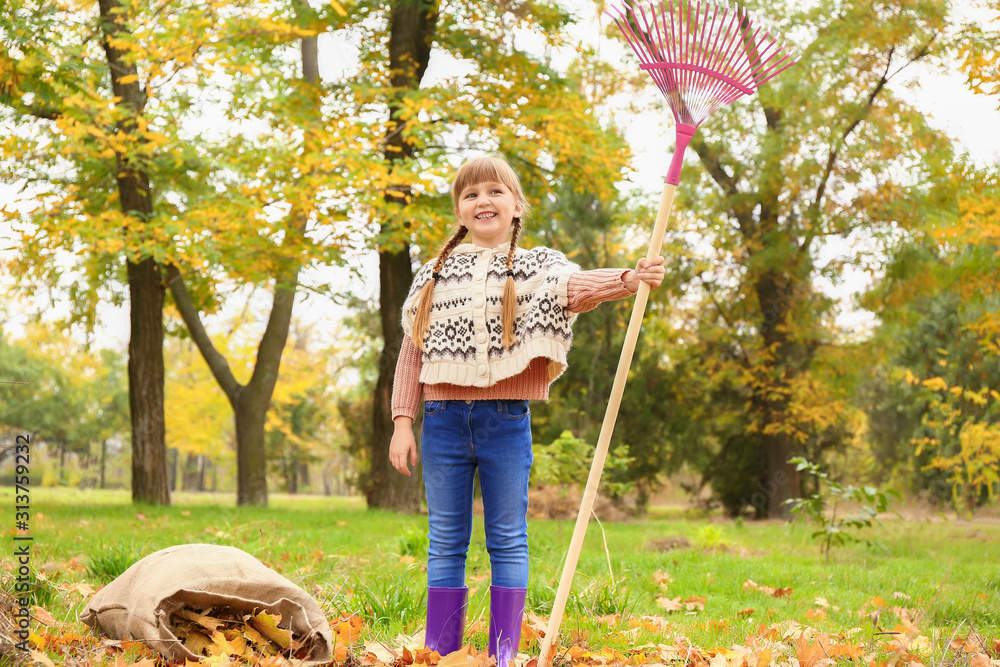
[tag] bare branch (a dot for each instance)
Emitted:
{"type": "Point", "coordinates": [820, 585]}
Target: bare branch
{"type": "Point", "coordinates": [710, 158]}
{"type": "Point", "coordinates": [216, 362]}
{"type": "Point", "coordinates": [835, 152]}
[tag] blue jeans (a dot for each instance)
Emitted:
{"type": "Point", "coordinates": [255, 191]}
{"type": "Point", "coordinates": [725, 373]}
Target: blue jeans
{"type": "Point", "coordinates": [459, 437]}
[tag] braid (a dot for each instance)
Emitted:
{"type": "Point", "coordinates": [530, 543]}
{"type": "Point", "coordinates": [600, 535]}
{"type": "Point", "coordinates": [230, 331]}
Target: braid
{"type": "Point", "coordinates": [509, 293]}
{"type": "Point", "coordinates": [422, 305]}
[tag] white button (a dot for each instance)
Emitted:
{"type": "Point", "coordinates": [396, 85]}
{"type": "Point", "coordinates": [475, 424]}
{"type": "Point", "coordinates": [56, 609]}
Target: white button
{"type": "Point", "coordinates": [482, 369]}
{"type": "Point", "coordinates": [479, 277]}
{"type": "Point", "coordinates": [481, 338]}
{"type": "Point", "coordinates": [478, 302]}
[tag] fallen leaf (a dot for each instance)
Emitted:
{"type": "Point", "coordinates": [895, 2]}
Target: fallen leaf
{"type": "Point", "coordinates": [425, 656]}
{"type": "Point", "coordinates": [267, 625]}
{"type": "Point", "coordinates": [662, 578]}
{"type": "Point", "coordinates": [382, 652]}
{"type": "Point", "coordinates": [207, 622]}
{"type": "Point", "coordinates": [43, 616]}
{"type": "Point", "coordinates": [668, 604]}
{"type": "Point", "coordinates": [850, 651]}
{"type": "Point", "coordinates": [349, 629]}
{"type": "Point", "coordinates": [459, 658]}
{"type": "Point", "coordinates": [746, 612]}
{"type": "Point", "coordinates": [980, 660]}
{"type": "Point", "coordinates": [38, 656]}
{"type": "Point", "coordinates": [260, 642]}
{"type": "Point", "coordinates": [811, 654]}
{"type": "Point", "coordinates": [84, 589]}
{"type": "Point", "coordinates": [196, 642]}
{"type": "Point", "coordinates": [751, 585]}
{"type": "Point", "coordinates": [816, 615]}
{"type": "Point", "coordinates": [695, 603]}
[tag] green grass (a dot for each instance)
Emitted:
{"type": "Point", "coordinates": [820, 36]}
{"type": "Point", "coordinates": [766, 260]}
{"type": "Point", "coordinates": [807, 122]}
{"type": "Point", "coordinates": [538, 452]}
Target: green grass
{"type": "Point", "coordinates": [370, 563]}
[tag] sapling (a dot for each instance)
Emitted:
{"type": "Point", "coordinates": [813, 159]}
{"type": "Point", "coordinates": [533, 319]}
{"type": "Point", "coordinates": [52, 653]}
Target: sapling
{"type": "Point", "coordinates": [824, 504]}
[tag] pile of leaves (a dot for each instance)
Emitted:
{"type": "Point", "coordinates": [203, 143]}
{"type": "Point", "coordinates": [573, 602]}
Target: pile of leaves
{"type": "Point", "coordinates": [224, 631]}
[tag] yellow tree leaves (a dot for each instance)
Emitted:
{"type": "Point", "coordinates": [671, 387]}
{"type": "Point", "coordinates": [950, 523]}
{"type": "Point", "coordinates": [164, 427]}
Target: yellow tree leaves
{"type": "Point", "coordinates": [980, 55]}
{"type": "Point", "coordinates": [964, 440]}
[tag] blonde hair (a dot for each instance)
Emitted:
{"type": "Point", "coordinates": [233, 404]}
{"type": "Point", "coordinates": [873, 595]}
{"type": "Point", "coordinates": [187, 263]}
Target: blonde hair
{"type": "Point", "coordinates": [473, 172]}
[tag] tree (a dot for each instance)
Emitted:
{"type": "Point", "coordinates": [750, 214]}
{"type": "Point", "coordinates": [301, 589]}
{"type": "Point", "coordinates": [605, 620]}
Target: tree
{"type": "Point", "coordinates": [824, 152]}
{"type": "Point", "coordinates": [301, 113]}
{"type": "Point", "coordinates": [939, 313]}
{"type": "Point", "coordinates": [97, 99]}
{"type": "Point", "coordinates": [205, 212]}
{"type": "Point", "coordinates": [66, 397]}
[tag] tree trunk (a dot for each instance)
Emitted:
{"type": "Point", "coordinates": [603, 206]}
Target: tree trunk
{"type": "Point", "coordinates": [291, 476]}
{"type": "Point", "coordinates": [173, 457]}
{"type": "Point", "coordinates": [201, 472]}
{"type": "Point", "coordinates": [145, 386]}
{"type": "Point", "coordinates": [251, 455]}
{"type": "Point", "coordinates": [145, 286]}
{"type": "Point", "coordinates": [782, 482]}
{"type": "Point", "coordinates": [412, 31]}
{"type": "Point", "coordinates": [304, 478]}
{"type": "Point", "coordinates": [104, 456]}
{"type": "Point", "coordinates": [385, 487]}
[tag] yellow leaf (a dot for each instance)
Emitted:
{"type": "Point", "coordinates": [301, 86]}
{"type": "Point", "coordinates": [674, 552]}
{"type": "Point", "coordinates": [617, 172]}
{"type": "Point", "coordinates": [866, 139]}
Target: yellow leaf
{"type": "Point", "coordinates": [267, 625]}
{"type": "Point", "coordinates": [935, 384]}
{"type": "Point", "coordinates": [337, 7]}
{"type": "Point", "coordinates": [131, 78]}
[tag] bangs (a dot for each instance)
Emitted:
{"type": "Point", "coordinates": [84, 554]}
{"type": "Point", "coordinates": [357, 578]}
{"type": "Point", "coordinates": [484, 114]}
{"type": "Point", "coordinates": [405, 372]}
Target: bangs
{"type": "Point", "coordinates": [478, 170]}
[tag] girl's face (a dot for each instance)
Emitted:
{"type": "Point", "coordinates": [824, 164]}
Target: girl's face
{"type": "Point", "coordinates": [487, 209]}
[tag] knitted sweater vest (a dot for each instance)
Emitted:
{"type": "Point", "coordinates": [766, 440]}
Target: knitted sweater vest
{"type": "Point", "coordinates": [463, 343]}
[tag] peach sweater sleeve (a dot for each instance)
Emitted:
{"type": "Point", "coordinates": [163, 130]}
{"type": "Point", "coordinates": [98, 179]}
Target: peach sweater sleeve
{"type": "Point", "coordinates": [407, 389]}
{"type": "Point", "coordinates": [588, 289]}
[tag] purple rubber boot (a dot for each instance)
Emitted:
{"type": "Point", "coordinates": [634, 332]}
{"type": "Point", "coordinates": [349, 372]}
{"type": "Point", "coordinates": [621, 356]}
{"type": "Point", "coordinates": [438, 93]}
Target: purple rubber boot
{"type": "Point", "coordinates": [506, 612]}
{"type": "Point", "coordinates": [445, 618]}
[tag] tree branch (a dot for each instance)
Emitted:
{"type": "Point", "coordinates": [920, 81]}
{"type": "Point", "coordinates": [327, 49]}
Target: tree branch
{"type": "Point", "coordinates": [725, 318]}
{"type": "Point", "coordinates": [216, 362]}
{"type": "Point", "coordinates": [710, 158]}
{"type": "Point", "coordinates": [834, 155]}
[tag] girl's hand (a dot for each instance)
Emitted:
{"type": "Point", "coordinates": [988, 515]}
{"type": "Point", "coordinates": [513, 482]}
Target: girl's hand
{"type": "Point", "coordinates": [403, 445]}
{"type": "Point", "coordinates": [647, 271]}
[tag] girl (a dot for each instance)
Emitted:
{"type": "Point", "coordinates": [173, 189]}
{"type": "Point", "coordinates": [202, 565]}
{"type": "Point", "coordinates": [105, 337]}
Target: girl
{"type": "Point", "coordinates": [487, 329]}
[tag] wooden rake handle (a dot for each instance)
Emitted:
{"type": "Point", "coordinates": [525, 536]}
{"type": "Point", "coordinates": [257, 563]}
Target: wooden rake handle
{"type": "Point", "coordinates": [604, 440]}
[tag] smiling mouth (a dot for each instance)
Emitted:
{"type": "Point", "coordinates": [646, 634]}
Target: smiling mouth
{"type": "Point", "coordinates": [485, 216]}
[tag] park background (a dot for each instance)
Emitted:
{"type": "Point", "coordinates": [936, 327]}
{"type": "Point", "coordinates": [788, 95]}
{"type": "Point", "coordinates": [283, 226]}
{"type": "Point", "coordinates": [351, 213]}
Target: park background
{"type": "Point", "coordinates": [213, 211]}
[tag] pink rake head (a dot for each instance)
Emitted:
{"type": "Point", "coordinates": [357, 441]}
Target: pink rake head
{"type": "Point", "coordinates": [701, 55]}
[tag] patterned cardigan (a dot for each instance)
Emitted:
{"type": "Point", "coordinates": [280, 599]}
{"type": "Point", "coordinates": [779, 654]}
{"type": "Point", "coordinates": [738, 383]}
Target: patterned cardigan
{"type": "Point", "coordinates": [463, 344]}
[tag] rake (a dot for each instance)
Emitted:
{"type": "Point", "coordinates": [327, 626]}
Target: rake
{"type": "Point", "coordinates": [702, 56]}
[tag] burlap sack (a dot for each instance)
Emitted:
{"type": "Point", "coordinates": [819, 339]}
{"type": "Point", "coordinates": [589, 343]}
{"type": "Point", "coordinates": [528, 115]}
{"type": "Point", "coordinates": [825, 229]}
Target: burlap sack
{"type": "Point", "coordinates": [139, 604]}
